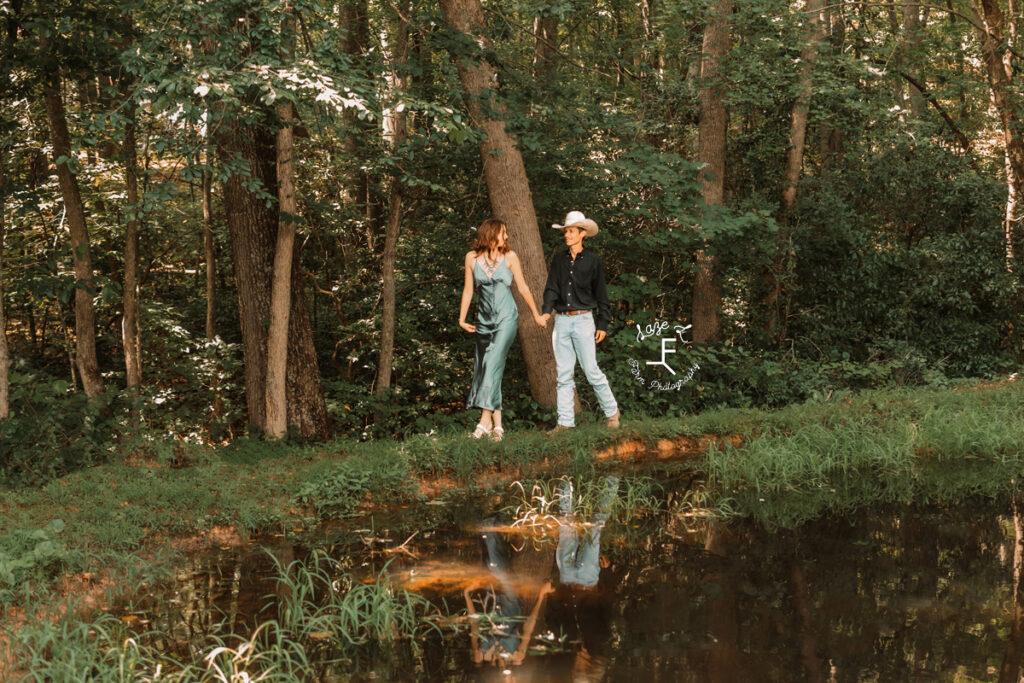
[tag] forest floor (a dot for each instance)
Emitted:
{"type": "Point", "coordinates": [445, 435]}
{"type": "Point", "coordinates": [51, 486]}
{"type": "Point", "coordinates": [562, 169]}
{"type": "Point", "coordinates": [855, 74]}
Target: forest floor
{"type": "Point", "coordinates": [127, 520]}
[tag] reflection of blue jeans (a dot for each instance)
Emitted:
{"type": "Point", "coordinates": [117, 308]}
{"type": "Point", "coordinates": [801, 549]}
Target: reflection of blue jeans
{"type": "Point", "coordinates": [579, 548]}
{"type": "Point", "coordinates": [574, 340]}
{"type": "Point", "coordinates": [578, 558]}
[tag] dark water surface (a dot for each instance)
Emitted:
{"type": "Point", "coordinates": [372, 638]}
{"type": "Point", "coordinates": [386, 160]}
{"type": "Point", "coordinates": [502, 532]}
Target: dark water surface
{"type": "Point", "coordinates": [892, 594]}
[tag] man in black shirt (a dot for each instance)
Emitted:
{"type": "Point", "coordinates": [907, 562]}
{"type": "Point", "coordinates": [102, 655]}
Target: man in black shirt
{"type": "Point", "coordinates": [575, 289]}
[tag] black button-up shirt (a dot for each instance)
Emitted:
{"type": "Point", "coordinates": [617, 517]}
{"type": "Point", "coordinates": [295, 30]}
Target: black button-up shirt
{"type": "Point", "coordinates": [577, 284]}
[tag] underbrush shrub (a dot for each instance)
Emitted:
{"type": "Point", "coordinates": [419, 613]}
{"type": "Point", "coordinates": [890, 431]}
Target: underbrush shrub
{"type": "Point", "coordinates": [52, 429]}
{"type": "Point", "coordinates": [336, 489]}
{"type": "Point", "coordinates": [30, 557]}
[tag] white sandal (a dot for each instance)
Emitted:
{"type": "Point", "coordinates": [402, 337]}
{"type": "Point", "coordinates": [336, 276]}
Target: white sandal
{"type": "Point", "coordinates": [497, 434]}
{"type": "Point", "coordinates": [480, 432]}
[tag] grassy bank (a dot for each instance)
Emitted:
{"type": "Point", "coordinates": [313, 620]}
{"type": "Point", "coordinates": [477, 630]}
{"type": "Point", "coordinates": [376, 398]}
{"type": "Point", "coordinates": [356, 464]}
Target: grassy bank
{"type": "Point", "coordinates": [791, 465]}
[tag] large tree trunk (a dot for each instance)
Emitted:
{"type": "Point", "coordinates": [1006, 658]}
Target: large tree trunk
{"type": "Point", "coordinates": [130, 321]}
{"type": "Point", "coordinates": [85, 315]}
{"type": "Point", "coordinates": [253, 228]}
{"type": "Point", "coordinates": [707, 292]}
{"type": "Point", "coordinates": [1007, 103]}
{"type": "Point", "coordinates": [284, 251]}
{"type": "Point", "coordinates": [784, 254]}
{"type": "Point", "coordinates": [509, 191]}
{"type": "Point", "coordinates": [395, 135]}
{"type": "Point", "coordinates": [5, 361]}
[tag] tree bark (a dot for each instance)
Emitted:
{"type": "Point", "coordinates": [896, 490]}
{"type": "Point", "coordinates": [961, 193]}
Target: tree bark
{"type": "Point", "coordinates": [280, 290]}
{"type": "Point", "coordinates": [707, 292]}
{"type": "Point", "coordinates": [545, 41]}
{"type": "Point", "coordinates": [784, 254]}
{"type": "Point", "coordinates": [5, 359]}
{"type": "Point", "coordinates": [253, 228]}
{"type": "Point", "coordinates": [395, 135]}
{"type": "Point", "coordinates": [85, 315]}
{"type": "Point", "coordinates": [509, 190]}
{"type": "Point", "coordinates": [353, 17]}
{"type": "Point", "coordinates": [1007, 103]}
{"type": "Point", "coordinates": [912, 30]}
{"type": "Point", "coordinates": [209, 253]}
{"type": "Point", "coordinates": [130, 320]}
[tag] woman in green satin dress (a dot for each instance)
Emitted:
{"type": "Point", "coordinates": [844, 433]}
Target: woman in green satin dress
{"type": "Point", "coordinates": [491, 268]}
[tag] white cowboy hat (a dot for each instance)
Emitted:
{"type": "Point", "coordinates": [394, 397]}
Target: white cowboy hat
{"type": "Point", "coordinates": [576, 219]}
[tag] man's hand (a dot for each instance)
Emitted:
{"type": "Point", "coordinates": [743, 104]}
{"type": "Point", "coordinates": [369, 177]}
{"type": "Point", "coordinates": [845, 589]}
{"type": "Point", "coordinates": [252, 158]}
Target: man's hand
{"type": "Point", "coordinates": [599, 336]}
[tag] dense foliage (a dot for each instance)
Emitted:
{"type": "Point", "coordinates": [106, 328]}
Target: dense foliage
{"type": "Point", "coordinates": [893, 257]}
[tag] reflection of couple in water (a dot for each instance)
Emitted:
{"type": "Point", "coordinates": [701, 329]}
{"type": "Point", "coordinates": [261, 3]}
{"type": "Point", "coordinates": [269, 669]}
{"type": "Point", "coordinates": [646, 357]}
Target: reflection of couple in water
{"type": "Point", "coordinates": [578, 603]}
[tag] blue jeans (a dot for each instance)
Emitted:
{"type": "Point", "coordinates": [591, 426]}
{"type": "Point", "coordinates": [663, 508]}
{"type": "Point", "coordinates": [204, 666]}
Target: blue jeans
{"type": "Point", "coordinates": [574, 340]}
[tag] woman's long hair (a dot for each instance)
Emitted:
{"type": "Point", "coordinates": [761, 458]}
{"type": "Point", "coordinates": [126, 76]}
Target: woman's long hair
{"type": "Point", "coordinates": [487, 236]}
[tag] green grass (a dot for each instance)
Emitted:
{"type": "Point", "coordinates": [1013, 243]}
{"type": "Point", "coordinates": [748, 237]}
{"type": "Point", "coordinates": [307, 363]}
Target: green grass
{"type": "Point", "coordinates": [324, 614]}
{"type": "Point", "coordinates": [794, 464]}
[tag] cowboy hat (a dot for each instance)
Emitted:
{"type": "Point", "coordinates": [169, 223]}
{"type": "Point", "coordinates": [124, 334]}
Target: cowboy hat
{"type": "Point", "coordinates": [576, 219]}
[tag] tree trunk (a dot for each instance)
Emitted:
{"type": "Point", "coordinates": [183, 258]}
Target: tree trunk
{"type": "Point", "coordinates": [356, 191]}
{"type": "Point", "coordinates": [784, 254]}
{"type": "Point", "coordinates": [280, 291]}
{"type": "Point", "coordinates": [210, 255]}
{"type": "Point", "coordinates": [707, 292]}
{"type": "Point", "coordinates": [130, 321]}
{"type": "Point", "coordinates": [394, 135]}
{"type": "Point", "coordinates": [253, 228]}
{"type": "Point", "coordinates": [5, 360]}
{"type": "Point", "coordinates": [85, 315]}
{"type": "Point", "coordinates": [545, 42]}
{"type": "Point", "coordinates": [912, 31]}
{"type": "Point", "coordinates": [1007, 103]}
{"type": "Point", "coordinates": [509, 191]}
{"type": "Point", "coordinates": [831, 141]}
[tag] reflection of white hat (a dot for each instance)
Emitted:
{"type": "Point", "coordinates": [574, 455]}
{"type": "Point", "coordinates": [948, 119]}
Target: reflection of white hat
{"type": "Point", "coordinates": [576, 219]}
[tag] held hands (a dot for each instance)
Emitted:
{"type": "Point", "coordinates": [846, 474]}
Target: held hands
{"type": "Point", "coordinates": [541, 320]}
{"type": "Point", "coordinates": [599, 336]}
{"type": "Point", "coordinates": [467, 327]}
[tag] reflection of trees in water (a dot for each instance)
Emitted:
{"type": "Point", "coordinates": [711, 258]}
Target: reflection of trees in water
{"type": "Point", "coordinates": [1010, 669]}
{"type": "Point", "coordinates": [896, 594]}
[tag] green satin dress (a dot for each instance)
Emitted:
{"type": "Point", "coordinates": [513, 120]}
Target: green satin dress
{"type": "Point", "coordinates": [496, 319]}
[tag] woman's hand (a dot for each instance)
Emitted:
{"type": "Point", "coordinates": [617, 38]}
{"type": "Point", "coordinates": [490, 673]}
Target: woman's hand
{"type": "Point", "coordinates": [541, 320]}
{"type": "Point", "coordinates": [467, 327]}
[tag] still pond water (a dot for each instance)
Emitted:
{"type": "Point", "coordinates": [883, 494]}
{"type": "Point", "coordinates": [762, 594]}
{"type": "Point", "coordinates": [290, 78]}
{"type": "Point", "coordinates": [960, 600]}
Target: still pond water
{"type": "Point", "coordinates": [893, 594]}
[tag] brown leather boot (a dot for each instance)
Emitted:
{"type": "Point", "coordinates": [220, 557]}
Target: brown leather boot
{"type": "Point", "coordinates": [613, 421]}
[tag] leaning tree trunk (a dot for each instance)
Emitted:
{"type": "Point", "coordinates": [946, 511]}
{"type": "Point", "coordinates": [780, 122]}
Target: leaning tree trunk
{"type": "Point", "coordinates": [253, 228]}
{"type": "Point", "coordinates": [276, 424]}
{"type": "Point", "coordinates": [395, 134]}
{"type": "Point", "coordinates": [784, 253]}
{"type": "Point", "coordinates": [130, 321]}
{"type": "Point", "coordinates": [5, 361]}
{"type": "Point", "coordinates": [85, 315]}
{"type": "Point", "coordinates": [509, 190]}
{"type": "Point", "coordinates": [707, 292]}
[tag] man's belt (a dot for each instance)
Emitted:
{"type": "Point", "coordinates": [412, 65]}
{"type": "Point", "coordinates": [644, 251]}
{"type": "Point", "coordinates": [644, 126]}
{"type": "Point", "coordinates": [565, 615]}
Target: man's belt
{"type": "Point", "coordinates": [576, 312]}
